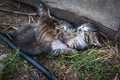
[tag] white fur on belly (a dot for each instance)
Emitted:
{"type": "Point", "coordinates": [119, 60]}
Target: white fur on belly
{"type": "Point", "coordinates": [80, 39]}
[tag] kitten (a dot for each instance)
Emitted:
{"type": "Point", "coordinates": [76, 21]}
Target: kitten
{"type": "Point", "coordinates": [81, 37]}
{"type": "Point", "coordinates": [47, 36]}
{"type": "Point", "coordinates": [51, 36]}
{"type": "Point", "coordinates": [41, 37]}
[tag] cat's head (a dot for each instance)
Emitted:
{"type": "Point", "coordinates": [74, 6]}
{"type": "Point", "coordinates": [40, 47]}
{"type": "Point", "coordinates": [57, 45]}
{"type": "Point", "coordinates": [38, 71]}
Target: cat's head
{"type": "Point", "coordinates": [89, 34]}
{"type": "Point", "coordinates": [49, 26]}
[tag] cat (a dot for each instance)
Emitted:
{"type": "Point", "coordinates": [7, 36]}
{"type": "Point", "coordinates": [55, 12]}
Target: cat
{"type": "Point", "coordinates": [47, 36]}
{"type": "Point", "coordinates": [52, 36]}
{"type": "Point", "coordinates": [81, 37]}
{"type": "Point", "coordinates": [24, 39]}
{"type": "Point", "coordinates": [41, 37]}
{"type": "Point", "coordinates": [78, 38]}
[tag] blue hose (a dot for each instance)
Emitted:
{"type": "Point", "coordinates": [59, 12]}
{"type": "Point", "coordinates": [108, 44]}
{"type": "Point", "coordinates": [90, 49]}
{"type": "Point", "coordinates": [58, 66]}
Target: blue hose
{"type": "Point", "coordinates": [48, 74]}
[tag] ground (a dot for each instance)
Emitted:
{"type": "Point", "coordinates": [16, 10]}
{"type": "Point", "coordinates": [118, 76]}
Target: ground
{"type": "Point", "coordinates": [91, 64]}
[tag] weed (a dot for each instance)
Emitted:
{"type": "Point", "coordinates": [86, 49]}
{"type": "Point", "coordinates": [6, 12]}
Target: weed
{"type": "Point", "coordinates": [88, 65]}
{"type": "Point", "coordinates": [91, 64]}
{"type": "Point", "coordinates": [13, 64]}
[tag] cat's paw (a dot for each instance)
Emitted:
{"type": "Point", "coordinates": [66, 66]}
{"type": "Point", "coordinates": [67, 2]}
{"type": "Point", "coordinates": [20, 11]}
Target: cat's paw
{"type": "Point", "coordinates": [71, 51]}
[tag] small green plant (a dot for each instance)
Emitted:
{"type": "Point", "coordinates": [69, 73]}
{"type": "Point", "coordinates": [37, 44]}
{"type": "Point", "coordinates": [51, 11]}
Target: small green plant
{"type": "Point", "coordinates": [13, 64]}
{"type": "Point", "coordinates": [91, 64]}
{"type": "Point", "coordinates": [88, 66]}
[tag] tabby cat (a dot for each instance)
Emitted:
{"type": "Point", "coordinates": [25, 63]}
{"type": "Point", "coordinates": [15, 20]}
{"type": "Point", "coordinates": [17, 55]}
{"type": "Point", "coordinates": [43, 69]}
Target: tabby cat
{"type": "Point", "coordinates": [81, 37]}
{"type": "Point", "coordinates": [41, 37]}
{"type": "Point", "coordinates": [52, 36]}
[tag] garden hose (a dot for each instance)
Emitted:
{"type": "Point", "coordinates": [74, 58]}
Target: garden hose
{"type": "Point", "coordinates": [37, 65]}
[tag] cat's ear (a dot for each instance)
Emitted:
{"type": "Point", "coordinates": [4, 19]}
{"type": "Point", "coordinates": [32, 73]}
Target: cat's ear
{"type": "Point", "coordinates": [46, 13]}
{"type": "Point", "coordinates": [45, 16]}
{"type": "Point", "coordinates": [96, 41]}
{"type": "Point", "coordinates": [43, 9]}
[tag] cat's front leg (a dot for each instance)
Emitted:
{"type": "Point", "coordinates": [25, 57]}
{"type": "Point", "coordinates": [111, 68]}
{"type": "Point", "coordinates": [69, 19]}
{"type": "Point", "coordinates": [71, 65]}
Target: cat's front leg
{"type": "Point", "coordinates": [59, 48]}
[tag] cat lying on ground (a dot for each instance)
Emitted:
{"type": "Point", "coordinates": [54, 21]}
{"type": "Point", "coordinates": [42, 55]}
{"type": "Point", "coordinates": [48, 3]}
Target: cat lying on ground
{"type": "Point", "coordinates": [51, 36]}
{"type": "Point", "coordinates": [78, 38]}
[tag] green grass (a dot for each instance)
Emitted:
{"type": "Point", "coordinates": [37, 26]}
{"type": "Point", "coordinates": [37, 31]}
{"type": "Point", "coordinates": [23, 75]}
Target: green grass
{"type": "Point", "coordinates": [13, 66]}
{"type": "Point", "coordinates": [88, 65]}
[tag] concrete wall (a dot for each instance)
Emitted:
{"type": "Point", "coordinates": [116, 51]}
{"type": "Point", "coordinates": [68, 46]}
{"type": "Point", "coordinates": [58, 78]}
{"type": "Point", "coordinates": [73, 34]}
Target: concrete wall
{"type": "Point", "coordinates": [105, 13]}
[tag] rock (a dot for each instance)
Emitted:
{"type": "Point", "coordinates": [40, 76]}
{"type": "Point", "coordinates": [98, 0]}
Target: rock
{"type": "Point", "coordinates": [104, 13]}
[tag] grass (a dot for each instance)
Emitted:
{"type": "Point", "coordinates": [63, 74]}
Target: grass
{"type": "Point", "coordinates": [91, 64]}
{"type": "Point", "coordinates": [14, 65]}
{"type": "Point", "coordinates": [87, 66]}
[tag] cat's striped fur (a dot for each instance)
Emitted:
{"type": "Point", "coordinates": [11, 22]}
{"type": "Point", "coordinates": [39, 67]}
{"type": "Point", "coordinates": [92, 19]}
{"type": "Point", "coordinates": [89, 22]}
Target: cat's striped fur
{"type": "Point", "coordinates": [47, 33]}
{"type": "Point", "coordinates": [81, 37]}
{"type": "Point", "coordinates": [51, 36]}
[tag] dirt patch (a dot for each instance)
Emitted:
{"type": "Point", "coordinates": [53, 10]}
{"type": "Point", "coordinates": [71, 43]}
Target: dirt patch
{"type": "Point", "coordinates": [8, 19]}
